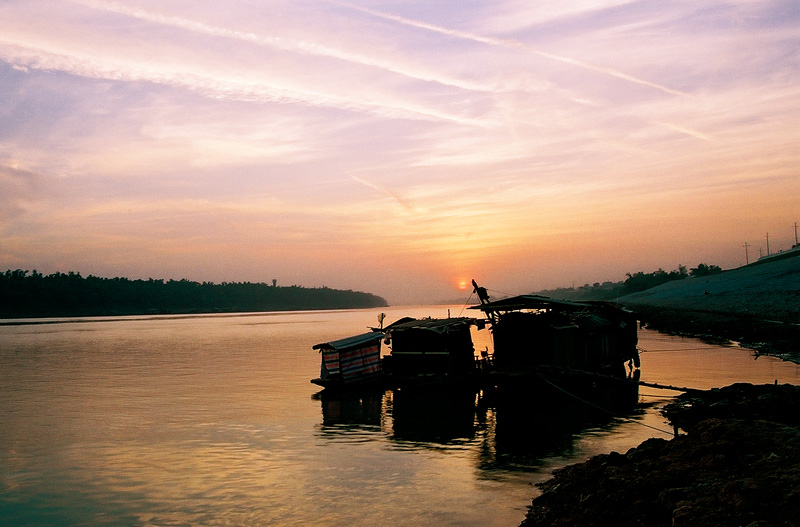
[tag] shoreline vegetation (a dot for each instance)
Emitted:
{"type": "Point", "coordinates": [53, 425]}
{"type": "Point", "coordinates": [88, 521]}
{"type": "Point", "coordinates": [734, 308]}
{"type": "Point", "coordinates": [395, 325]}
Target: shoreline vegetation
{"type": "Point", "coordinates": [33, 295]}
{"type": "Point", "coordinates": [633, 283]}
{"type": "Point", "coordinates": [757, 305]}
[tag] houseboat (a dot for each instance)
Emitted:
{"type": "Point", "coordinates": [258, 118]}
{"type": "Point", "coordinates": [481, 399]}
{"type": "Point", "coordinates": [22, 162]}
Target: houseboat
{"type": "Point", "coordinates": [532, 335]}
{"type": "Point", "coordinates": [535, 333]}
{"type": "Point", "coordinates": [431, 349]}
{"type": "Point", "coordinates": [352, 361]}
{"type": "Point", "coordinates": [419, 351]}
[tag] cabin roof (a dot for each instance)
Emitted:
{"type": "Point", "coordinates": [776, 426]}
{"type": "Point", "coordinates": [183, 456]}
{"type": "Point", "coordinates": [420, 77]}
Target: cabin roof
{"type": "Point", "coordinates": [439, 325]}
{"type": "Point", "coordinates": [356, 341]}
{"type": "Point", "coordinates": [593, 322]}
{"type": "Point", "coordinates": [516, 303]}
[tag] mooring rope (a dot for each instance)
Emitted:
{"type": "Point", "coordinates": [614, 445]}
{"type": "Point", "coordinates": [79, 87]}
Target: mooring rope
{"type": "Point", "coordinates": [500, 292]}
{"type": "Point", "coordinates": [669, 433]}
{"type": "Point", "coordinates": [466, 303]}
{"type": "Point", "coordinates": [642, 350]}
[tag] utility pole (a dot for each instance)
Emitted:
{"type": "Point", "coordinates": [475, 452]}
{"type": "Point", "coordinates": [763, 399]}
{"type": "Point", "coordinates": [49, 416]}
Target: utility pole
{"type": "Point", "coordinates": [767, 244]}
{"type": "Point", "coordinates": [746, 256]}
{"type": "Point", "coordinates": [795, 234]}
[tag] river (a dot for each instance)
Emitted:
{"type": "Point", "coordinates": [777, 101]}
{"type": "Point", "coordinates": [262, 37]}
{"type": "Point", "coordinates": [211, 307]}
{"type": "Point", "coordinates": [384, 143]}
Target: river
{"type": "Point", "coordinates": [211, 420]}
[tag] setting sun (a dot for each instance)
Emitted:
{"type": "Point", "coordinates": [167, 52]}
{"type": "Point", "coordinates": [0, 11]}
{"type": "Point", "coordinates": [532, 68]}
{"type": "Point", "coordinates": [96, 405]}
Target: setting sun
{"type": "Point", "coordinates": [463, 284]}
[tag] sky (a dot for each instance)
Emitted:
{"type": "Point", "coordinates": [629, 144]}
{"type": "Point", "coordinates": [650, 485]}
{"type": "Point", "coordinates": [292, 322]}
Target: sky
{"type": "Point", "coordinates": [397, 147]}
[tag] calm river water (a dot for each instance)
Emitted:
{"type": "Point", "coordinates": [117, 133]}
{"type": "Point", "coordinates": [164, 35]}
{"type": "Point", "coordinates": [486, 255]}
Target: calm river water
{"type": "Point", "coordinates": [211, 420]}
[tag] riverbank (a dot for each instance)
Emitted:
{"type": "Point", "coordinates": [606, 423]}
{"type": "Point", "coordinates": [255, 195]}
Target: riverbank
{"type": "Point", "coordinates": [769, 337]}
{"type": "Point", "coordinates": [738, 460]}
{"type": "Point", "coordinates": [738, 463]}
{"type": "Point", "coordinates": [756, 305]}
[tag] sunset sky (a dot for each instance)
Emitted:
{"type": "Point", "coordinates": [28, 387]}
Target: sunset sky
{"type": "Point", "coordinates": [396, 147]}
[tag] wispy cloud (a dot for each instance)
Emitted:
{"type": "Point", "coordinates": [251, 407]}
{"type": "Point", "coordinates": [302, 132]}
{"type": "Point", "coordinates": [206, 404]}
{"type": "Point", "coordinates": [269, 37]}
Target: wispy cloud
{"type": "Point", "coordinates": [410, 70]}
{"type": "Point", "coordinates": [217, 84]}
{"type": "Point", "coordinates": [19, 189]}
{"type": "Point", "coordinates": [380, 188]}
{"type": "Point", "coordinates": [515, 44]}
{"type": "Point", "coordinates": [684, 130]}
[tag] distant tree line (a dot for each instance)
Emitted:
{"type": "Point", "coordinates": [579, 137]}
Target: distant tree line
{"type": "Point", "coordinates": [633, 283]}
{"type": "Point", "coordinates": [26, 294]}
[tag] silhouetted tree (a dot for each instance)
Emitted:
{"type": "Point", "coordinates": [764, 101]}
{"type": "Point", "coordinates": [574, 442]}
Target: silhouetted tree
{"type": "Point", "coordinates": [705, 270]}
{"type": "Point", "coordinates": [59, 294]}
{"type": "Point", "coordinates": [633, 283]}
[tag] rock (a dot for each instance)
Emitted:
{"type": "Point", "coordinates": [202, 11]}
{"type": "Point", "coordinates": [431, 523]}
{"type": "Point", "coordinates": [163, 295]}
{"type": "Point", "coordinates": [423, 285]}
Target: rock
{"type": "Point", "coordinates": [739, 464]}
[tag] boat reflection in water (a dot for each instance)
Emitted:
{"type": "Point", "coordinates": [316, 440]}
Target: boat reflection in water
{"type": "Point", "coordinates": [352, 412]}
{"type": "Point", "coordinates": [434, 414]}
{"type": "Point", "coordinates": [513, 426]}
{"type": "Point", "coordinates": [556, 368]}
{"type": "Point", "coordinates": [526, 422]}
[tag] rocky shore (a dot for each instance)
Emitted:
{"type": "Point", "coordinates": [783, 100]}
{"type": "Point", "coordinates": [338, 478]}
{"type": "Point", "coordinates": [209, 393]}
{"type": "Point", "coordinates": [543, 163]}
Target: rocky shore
{"type": "Point", "coordinates": [735, 463]}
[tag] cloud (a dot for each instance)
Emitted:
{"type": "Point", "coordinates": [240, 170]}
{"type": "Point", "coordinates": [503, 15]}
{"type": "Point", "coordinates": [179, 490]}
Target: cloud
{"type": "Point", "coordinates": [516, 15]}
{"type": "Point", "coordinates": [515, 44]}
{"type": "Point", "coordinates": [684, 130]}
{"type": "Point", "coordinates": [220, 83]}
{"type": "Point", "coordinates": [306, 46]}
{"type": "Point", "coordinates": [213, 74]}
{"type": "Point", "coordinates": [20, 189]}
{"type": "Point", "coordinates": [380, 188]}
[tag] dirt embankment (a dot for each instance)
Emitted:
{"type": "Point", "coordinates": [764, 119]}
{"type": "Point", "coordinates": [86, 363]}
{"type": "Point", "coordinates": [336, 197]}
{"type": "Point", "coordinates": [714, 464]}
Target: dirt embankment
{"type": "Point", "coordinates": [737, 465]}
{"type": "Point", "coordinates": [756, 305]}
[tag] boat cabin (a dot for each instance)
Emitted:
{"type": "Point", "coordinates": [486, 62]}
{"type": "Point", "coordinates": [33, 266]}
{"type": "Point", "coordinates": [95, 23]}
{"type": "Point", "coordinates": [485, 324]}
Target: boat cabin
{"type": "Point", "coordinates": [352, 360]}
{"type": "Point", "coordinates": [531, 330]}
{"type": "Point", "coordinates": [431, 347]}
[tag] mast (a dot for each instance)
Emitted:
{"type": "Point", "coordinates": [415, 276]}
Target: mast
{"type": "Point", "coordinates": [484, 298]}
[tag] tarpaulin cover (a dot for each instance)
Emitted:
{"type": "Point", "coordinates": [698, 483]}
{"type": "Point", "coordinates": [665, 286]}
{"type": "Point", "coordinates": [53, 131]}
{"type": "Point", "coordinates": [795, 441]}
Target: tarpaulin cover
{"type": "Point", "coordinates": [352, 357]}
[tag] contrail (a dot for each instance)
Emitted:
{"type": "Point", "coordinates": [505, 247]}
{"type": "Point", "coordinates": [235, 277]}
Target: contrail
{"type": "Point", "coordinates": [684, 130]}
{"type": "Point", "coordinates": [508, 43]}
{"type": "Point", "coordinates": [46, 57]}
{"type": "Point", "coordinates": [306, 47]}
{"type": "Point", "coordinates": [381, 188]}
